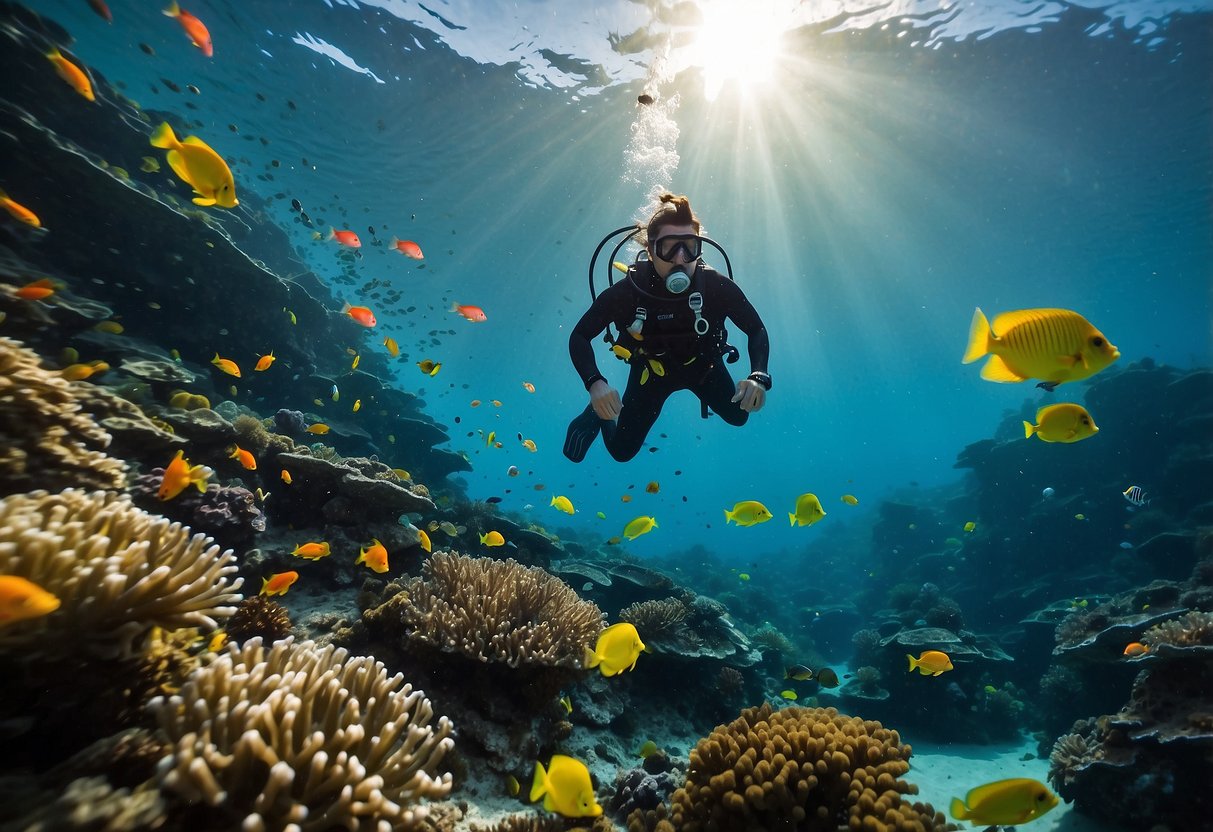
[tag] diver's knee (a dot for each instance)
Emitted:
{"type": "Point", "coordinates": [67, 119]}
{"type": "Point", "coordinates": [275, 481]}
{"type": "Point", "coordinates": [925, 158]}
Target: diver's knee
{"type": "Point", "coordinates": [736, 418]}
{"type": "Point", "coordinates": [623, 454]}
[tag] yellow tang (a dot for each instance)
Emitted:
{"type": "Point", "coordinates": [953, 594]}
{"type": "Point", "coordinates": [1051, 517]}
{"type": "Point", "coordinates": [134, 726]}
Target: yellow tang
{"type": "Point", "coordinates": [930, 663]}
{"type": "Point", "coordinates": [648, 749]}
{"type": "Point", "coordinates": [492, 539]}
{"type": "Point", "coordinates": [850, 499]}
{"type": "Point", "coordinates": [565, 787]}
{"type": "Point", "coordinates": [424, 540]}
{"type": "Point", "coordinates": [198, 166]}
{"type": "Point", "coordinates": [562, 504]}
{"type": "Point", "coordinates": [808, 511]}
{"type": "Point", "coordinates": [747, 513]}
{"type": "Point", "coordinates": [970, 526]}
{"type": "Point", "coordinates": [1055, 345]}
{"type": "Point", "coordinates": [1065, 422]}
{"type": "Point", "coordinates": [1011, 802]}
{"type": "Point", "coordinates": [616, 651]}
{"type": "Point", "coordinates": [790, 695]}
{"type": "Point", "coordinates": [639, 526]}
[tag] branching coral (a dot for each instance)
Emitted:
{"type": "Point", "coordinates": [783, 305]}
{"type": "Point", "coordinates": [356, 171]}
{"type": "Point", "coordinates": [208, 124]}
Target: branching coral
{"type": "Point", "coordinates": [47, 440]}
{"type": "Point", "coordinates": [302, 738]}
{"type": "Point", "coordinates": [117, 571]}
{"type": "Point", "coordinates": [497, 611]}
{"type": "Point", "coordinates": [805, 768]}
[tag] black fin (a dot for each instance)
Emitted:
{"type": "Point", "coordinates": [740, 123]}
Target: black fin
{"type": "Point", "coordinates": [583, 430]}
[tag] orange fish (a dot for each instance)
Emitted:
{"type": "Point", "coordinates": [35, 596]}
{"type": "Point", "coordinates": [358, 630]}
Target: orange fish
{"type": "Point", "coordinates": [264, 362]}
{"type": "Point", "coordinates": [1135, 649]}
{"type": "Point", "coordinates": [475, 403]}
{"type": "Point", "coordinates": [374, 556]}
{"type": "Point", "coordinates": [226, 365]}
{"type": "Point", "coordinates": [392, 347]}
{"type": "Point", "coordinates": [79, 372]}
{"type": "Point", "coordinates": [527, 386]}
{"type": "Point", "coordinates": [346, 238]}
{"type": "Point", "coordinates": [652, 487]}
{"type": "Point", "coordinates": [312, 551]}
{"type": "Point", "coordinates": [195, 29]}
{"type": "Point", "coordinates": [473, 313]}
{"type": "Point", "coordinates": [360, 315]}
{"type": "Point", "coordinates": [278, 583]}
{"type": "Point", "coordinates": [496, 402]}
{"type": "Point", "coordinates": [22, 599]}
{"type": "Point", "coordinates": [530, 445]}
{"type": "Point", "coordinates": [71, 73]}
{"type": "Point", "coordinates": [102, 10]}
{"type": "Point", "coordinates": [627, 498]}
{"type": "Point", "coordinates": [19, 211]}
{"type": "Point", "coordinates": [408, 248]}
{"type": "Point", "coordinates": [179, 475]}
{"type": "Point", "coordinates": [38, 290]}
{"type": "Point", "coordinates": [319, 428]}
{"type": "Point", "coordinates": [246, 458]}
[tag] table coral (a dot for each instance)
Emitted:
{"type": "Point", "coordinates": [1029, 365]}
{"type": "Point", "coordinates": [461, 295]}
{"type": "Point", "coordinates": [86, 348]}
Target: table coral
{"type": "Point", "coordinates": [48, 441]}
{"type": "Point", "coordinates": [798, 768]}
{"type": "Point", "coordinates": [294, 736]}
{"type": "Point", "coordinates": [117, 571]}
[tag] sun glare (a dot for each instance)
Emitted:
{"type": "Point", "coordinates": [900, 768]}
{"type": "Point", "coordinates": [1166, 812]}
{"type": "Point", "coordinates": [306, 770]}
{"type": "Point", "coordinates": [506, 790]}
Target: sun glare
{"type": "Point", "coordinates": [739, 42]}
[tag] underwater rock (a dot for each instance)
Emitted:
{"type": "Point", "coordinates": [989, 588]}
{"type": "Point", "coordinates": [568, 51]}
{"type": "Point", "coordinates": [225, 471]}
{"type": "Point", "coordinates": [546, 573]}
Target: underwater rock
{"type": "Point", "coordinates": [349, 491]}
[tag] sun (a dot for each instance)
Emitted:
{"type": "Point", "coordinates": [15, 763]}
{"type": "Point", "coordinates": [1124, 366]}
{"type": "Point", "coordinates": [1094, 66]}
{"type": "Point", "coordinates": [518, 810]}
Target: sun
{"type": "Point", "coordinates": [739, 42]}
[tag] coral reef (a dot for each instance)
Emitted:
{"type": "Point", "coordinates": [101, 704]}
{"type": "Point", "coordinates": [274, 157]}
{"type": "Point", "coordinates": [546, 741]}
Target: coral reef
{"type": "Point", "coordinates": [117, 571]}
{"type": "Point", "coordinates": [259, 616]}
{"type": "Point", "coordinates": [47, 440]}
{"type": "Point", "coordinates": [293, 734]}
{"type": "Point", "coordinates": [691, 626]}
{"type": "Point", "coordinates": [803, 768]}
{"type": "Point", "coordinates": [227, 513]}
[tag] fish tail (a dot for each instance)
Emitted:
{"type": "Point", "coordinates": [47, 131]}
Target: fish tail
{"type": "Point", "coordinates": [173, 10]}
{"type": "Point", "coordinates": [539, 784]}
{"type": "Point", "coordinates": [163, 137]}
{"type": "Point", "coordinates": [791, 519]}
{"type": "Point", "coordinates": [265, 582]}
{"type": "Point", "coordinates": [454, 306]}
{"type": "Point", "coordinates": [728, 515]}
{"type": "Point", "coordinates": [958, 809]}
{"type": "Point", "coordinates": [54, 52]}
{"type": "Point", "coordinates": [913, 663]}
{"type": "Point", "coordinates": [979, 338]}
{"type": "Point", "coordinates": [1028, 430]}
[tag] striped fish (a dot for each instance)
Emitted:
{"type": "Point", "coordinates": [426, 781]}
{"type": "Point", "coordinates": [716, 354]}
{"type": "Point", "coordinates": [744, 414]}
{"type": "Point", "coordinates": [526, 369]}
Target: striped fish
{"type": "Point", "coordinates": [1055, 345]}
{"type": "Point", "coordinates": [1135, 496]}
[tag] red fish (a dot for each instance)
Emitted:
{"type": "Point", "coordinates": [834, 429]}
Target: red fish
{"type": "Point", "coordinates": [193, 27]}
{"type": "Point", "coordinates": [473, 313]}
{"type": "Point", "coordinates": [361, 315]}
{"type": "Point", "coordinates": [102, 10]}
{"type": "Point", "coordinates": [408, 248]}
{"type": "Point", "coordinates": [38, 290]}
{"type": "Point", "coordinates": [346, 238]}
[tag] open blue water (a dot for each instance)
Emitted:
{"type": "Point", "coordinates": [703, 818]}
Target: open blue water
{"type": "Point", "coordinates": [905, 163]}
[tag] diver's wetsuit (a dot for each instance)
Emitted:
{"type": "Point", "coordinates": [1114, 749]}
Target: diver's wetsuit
{"type": "Point", "coordinates": [688, 361]}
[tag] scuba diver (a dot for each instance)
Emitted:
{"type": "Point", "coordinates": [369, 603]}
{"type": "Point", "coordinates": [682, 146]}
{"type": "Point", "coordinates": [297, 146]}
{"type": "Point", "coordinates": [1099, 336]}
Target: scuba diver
{"type": "Point", "coordinates": [669, 313]}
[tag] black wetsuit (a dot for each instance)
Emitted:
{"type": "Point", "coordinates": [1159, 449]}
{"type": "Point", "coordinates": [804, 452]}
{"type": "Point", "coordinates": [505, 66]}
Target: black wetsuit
{"type": "Point", "coordinates": [669, 356]}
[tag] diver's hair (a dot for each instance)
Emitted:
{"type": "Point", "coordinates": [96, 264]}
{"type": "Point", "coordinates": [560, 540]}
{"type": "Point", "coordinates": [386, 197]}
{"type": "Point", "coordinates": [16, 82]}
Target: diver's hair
{"type": "Point", "coordinates": [673, 210]}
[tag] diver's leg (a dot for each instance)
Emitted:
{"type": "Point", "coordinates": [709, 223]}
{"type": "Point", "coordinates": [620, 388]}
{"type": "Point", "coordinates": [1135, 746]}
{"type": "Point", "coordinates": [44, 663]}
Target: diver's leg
{"type": "Point", "coordinates": [583, 430]}
{"type": "Point", "coordinates": [642, 405]}
{"type": "Point", "coordinates": [716, 390]}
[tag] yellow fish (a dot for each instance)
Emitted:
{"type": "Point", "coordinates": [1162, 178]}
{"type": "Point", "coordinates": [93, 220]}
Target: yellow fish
{"type": "Point", "coordinates": [647, 750]}
{"type": "Point", "coordinates": [562, 504]}
{"type": "Point", "coordinates": [512, 785]}
{"type": "Point", "coordinates": [264, 362]}
{"type": "Point", "coordinates": [930, 663]}
{"type": "Point", "coordinates": [616, 650]}
{"type": "Point", "coordinates": [357, 405]}
{"type": "Point", "coordinates": [199, 167]}
{"type": "Point", "coordinates": [374, 556]}
{"type": "Point", "coordinates": [424, 540]}
{"type": "Point", "coordinates": [354, 365]}
{"type": "Point", "coordinates": [1011, 802]}
{"type": "Point", "coordinates": [789, 695]}
{"type": "Point", "coordinates": [530, 445]}
{"type": "Point", "coordinates": [808, 511]}
{"type": "Point", "coordinates": [392, 347]}
{"type": "Point", "coordinates": [226, 365]}
{"type": "Point", "coordinates": [639, 526]}
{"type": "Point", "coordinates": [319, 429]}
{"type": "Point", "coordinates": [22, 599]}
{"type": "Point", "coordinates": [150, 165]}
{"type": "Point", "coordinates": [429, 367]}
{"type": "Point", "coordinates": [747, 513]}
{"type": "Point", "coordinates": [566, 703]}
{"type": "Point", "coordinates": [110, 327]}
{"type": "Point", "coordinates": [970, 526]}
{"type": "Point", "coordinates": [850, 499]}
{"type": "Point", "coordinates": [1055, 345]}
{"type": "Point", "coordinates": [492, 539]}
{"type": "Point", "coordinates": [565, 788]}
{"type": "Point", "coordinates": [1065, 422]}
{"type": "Point", "coordinates": [179, 475]}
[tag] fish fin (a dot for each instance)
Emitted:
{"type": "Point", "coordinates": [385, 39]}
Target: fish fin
{"type": "Point", "coordinates": [194, 141]}
{"type": "Point", "coordinates": [979, 338]}
{"type": "Point", "coordinates": [1007, 321]}
{"type": "Point", "coordinates": [591, 658]}
{"type": "Point", "coordinates": [177, 162]}
{"type": "Point", "coordinates": [164, 137]}
{"type": "Point", "coordinates": [1028, 430]}
{"type": "Point", "coordinates": [728, 515]}
{"type": "Point", "coordinates": [997, 370]}
{"type": "Point", "coordinates": [913, 663]}
{"type": "Point", "coordinates": [1070, 434]}
{"type": "Point", "coordinates": [791, 519]}
{"type": "Point", "coordinates": [937, 673]}
{"type": "Point", "coordinates": [173, 10]}
{"type": "Point", "coordinates": [1070, 360]}
{"type": "Point", "coordinates": [1048, 386]}
{"type": "Point", "coordinates": [958, 810]}
{"type": "Point", "coordinates": [539, 784]}
{"type": "Point", "coordinates": [203, 200]}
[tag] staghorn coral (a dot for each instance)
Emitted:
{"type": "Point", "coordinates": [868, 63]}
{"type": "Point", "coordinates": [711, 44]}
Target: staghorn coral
{"type": "Point", "coordinates": [497, 611]}
{"type": "Point", "coordinates": [811, 768]}
{"type": "Point", "coordinates": [302, 738]}
{"type": "Point", "coordinates": [259, 616]}
{"type": "Point", "coordinates": [1189, 630]}
{"type": "Point", "coordinates": [45, 439]}
{"type": "Point", "coordinates": [117, 570]}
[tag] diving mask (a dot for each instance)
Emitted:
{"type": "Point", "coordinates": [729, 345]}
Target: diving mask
{"type": "Point", "coordinates": [667, 248]}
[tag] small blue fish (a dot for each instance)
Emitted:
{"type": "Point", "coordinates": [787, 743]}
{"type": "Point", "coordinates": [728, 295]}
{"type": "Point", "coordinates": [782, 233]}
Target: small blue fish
{"type": "Point", "coordinates": [1124, 544]}
{"type": "Point", "coordinates": [1047, 492]}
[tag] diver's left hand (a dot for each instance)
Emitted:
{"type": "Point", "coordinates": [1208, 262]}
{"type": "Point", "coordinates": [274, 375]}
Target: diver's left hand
{"type": "Point", "coordinates": [751, 395]}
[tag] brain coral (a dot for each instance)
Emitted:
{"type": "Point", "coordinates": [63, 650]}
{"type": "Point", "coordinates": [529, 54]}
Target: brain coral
{"type": "Point", "coordinates": [497, 611]}
{"type": "Point", "coordinates": [117, 571]}
{"type": "Point", "coordinates": [301, 738]}
{"type": "Point", "coordinates": [807, 769]}
{"type": "Point", "coordinates": [47, 440]}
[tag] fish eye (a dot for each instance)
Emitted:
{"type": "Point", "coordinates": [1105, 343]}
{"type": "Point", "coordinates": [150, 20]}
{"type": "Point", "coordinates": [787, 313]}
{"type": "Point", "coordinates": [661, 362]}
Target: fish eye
{"type": "Point", "coordinates": [1097, 341]}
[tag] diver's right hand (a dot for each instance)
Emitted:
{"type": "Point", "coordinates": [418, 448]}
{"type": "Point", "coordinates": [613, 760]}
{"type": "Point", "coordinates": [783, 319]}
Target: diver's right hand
{"type": "Point", "coordinates": [605, 400]}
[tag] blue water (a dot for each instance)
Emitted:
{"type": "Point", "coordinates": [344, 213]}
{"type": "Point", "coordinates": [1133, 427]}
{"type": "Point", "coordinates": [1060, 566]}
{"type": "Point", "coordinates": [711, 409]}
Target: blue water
{"type": "Point", "coordinates": [896, 172]}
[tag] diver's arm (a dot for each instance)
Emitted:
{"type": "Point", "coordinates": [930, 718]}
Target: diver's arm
{"type": "Point", "coordinates": [750, 394]}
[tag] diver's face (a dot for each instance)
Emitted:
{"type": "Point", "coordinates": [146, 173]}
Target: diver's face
{"type": "Point", "coordinates": [664, 267]}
